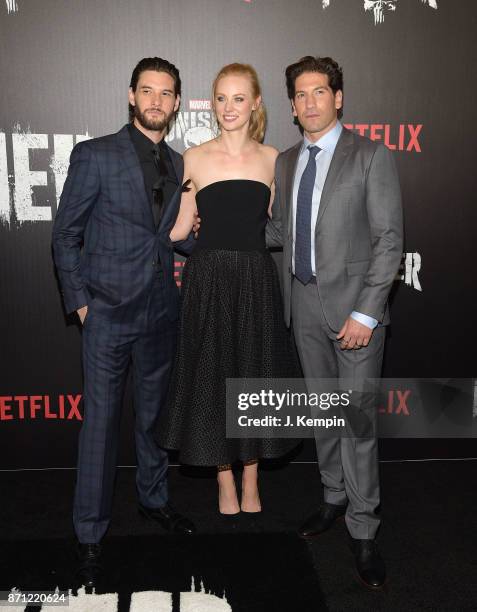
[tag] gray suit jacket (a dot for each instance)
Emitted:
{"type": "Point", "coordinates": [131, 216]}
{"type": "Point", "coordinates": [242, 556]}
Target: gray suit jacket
{"type": "Point", "coordinates": [358, 233]}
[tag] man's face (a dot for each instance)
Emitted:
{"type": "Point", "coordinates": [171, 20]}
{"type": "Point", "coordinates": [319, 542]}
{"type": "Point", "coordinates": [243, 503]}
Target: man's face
{"type": "Point", "coordinates": [154, 100]}
{"type": "Point", "coordinates": [315, 105]}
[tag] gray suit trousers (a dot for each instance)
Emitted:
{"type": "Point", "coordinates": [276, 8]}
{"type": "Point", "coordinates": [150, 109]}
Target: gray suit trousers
{"type": "Point", "coordinates": [348, 465]}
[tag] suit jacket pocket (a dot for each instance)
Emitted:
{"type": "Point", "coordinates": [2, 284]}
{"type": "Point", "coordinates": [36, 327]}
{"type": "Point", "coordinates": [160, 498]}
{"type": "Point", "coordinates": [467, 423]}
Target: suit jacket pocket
{"type": "Point", "coordinates": [348, 186]}
{"type": "Point", "coordinates": [103, 276]}
{"type": "Point", "coordinates": [354, 268]}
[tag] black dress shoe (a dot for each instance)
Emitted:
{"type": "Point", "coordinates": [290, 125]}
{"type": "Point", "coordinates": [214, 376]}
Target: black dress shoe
{"type": "Point", "coordinates": [169, 519]}
{"type": "Point", "coordinates": [89, 564]}
{"type": "Point", "coordinates": [369, 563]}
{"type": "Point", "coordinates": [322, 520]}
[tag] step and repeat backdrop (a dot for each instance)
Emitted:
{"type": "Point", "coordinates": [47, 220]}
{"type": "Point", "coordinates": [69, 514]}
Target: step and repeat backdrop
{"type": "Point", "coordinates": [65, 70]}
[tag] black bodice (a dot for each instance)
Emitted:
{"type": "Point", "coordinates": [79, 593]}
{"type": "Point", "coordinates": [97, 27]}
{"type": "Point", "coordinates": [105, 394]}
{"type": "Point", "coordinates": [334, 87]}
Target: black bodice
{"type": "Point", "coordinates": [233, 215]}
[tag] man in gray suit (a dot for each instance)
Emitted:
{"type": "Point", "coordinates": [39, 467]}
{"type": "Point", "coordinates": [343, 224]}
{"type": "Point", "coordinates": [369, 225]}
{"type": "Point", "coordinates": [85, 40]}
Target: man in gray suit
{"type": "Point", "coordinates": [337, 214]}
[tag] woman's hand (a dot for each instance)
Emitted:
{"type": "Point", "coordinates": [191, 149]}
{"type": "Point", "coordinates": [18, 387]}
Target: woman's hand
{"type": "Point", "coordinates": [196, 224]}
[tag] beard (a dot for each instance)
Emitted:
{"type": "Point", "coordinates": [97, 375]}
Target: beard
{"type": "Point", "coordinates": [155, 125]}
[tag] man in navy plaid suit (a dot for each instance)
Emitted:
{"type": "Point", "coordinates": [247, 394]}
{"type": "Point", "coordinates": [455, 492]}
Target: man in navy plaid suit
{"type": "Point", "coordinates": [115, 263]}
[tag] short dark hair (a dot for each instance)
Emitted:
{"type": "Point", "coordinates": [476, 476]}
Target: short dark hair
{"type": "Point", "coordinates": [159, 65]}
{"type": "Point", "coordinates": [324, 65]}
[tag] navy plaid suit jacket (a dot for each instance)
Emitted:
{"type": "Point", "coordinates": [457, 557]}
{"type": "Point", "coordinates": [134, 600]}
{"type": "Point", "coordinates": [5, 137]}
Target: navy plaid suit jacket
{"type": "Point", "coordinates": [105, 245]}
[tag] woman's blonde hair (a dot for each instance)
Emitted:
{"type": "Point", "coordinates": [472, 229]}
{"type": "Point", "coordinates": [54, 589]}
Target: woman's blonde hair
{"type": "Point", "coordinates": [258, 119]}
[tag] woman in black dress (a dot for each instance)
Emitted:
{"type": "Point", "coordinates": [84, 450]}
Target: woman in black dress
{"type": "Point", "coordinates": [231, 323]}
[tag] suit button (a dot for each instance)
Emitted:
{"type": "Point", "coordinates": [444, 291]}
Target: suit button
{"type": "Point", "coordinates": [154, 262]}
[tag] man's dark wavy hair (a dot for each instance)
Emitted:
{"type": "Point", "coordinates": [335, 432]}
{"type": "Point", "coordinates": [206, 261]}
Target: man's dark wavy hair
{"type": "Point", "coordinates": [323, 65]}
{"type": "Point", "coordinates": [159, 65]}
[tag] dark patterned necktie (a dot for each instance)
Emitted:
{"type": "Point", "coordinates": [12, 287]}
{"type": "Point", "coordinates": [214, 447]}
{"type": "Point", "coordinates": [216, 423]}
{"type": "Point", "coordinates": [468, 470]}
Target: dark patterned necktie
{"type": "Point", "coordinates": [303, 269]}
{"type": "Point", "coordinates": [158, 187]}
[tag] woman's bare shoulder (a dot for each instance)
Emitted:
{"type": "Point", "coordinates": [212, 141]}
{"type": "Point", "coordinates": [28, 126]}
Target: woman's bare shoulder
{"type": "Point", "coordinates": [269, 152]}
{"type": "Point", "coordinates": [198, 152]}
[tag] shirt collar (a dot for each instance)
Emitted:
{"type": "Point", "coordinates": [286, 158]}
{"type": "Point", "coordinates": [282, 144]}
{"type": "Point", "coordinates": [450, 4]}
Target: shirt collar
{"type": "Point", "coordinates": [327, 142]}
{"type": "Point", "coordinates": [142, 143]}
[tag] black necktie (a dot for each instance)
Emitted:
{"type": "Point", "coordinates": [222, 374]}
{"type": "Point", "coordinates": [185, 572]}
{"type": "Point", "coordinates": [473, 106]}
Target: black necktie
{"type": "Point", "coordinates": [158, 187]}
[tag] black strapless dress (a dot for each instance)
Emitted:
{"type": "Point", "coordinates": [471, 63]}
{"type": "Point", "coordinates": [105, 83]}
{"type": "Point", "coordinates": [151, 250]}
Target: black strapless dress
{"type": "Point", "coordinates": [231, 326]}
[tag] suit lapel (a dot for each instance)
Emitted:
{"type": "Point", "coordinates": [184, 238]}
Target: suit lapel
{"type": "Point", "coordinates": [343, 147]}
{"type": "Point", "coordinates": [289, 180]}
{"type": "Point", "coordinates": [133, 171]}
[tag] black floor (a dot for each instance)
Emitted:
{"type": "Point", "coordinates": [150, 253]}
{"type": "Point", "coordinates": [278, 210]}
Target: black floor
{"type": "Point", "coordinates": [428, 535]}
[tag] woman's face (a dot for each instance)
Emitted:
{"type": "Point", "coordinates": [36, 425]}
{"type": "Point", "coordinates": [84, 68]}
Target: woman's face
{"type": "Point", "coordinates": [234, 102]}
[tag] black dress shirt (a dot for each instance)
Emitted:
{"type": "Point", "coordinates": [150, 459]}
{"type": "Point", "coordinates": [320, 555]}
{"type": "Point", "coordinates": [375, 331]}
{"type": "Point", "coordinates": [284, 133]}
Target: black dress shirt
{"type": "Point", "coordinates": [144, 149]}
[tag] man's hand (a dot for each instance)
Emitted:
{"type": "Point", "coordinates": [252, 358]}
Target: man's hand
{"type": "Point", "coordinates": [196, 225]}
{"type": "Point", "coordinates": [354, 335]}
{"type": "Point", "coordinates": [82, 313]}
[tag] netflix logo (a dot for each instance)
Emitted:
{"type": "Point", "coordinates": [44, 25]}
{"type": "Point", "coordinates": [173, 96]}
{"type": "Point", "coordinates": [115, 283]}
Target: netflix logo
{"type": "Point", "coordinates": [396, 402]}
{"type": "Point", "coordinates": [178, 267]}
{"type": "Point", "coordinates": [402, 137]}
{"type": "Point", "coordinates": [32, 407]}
